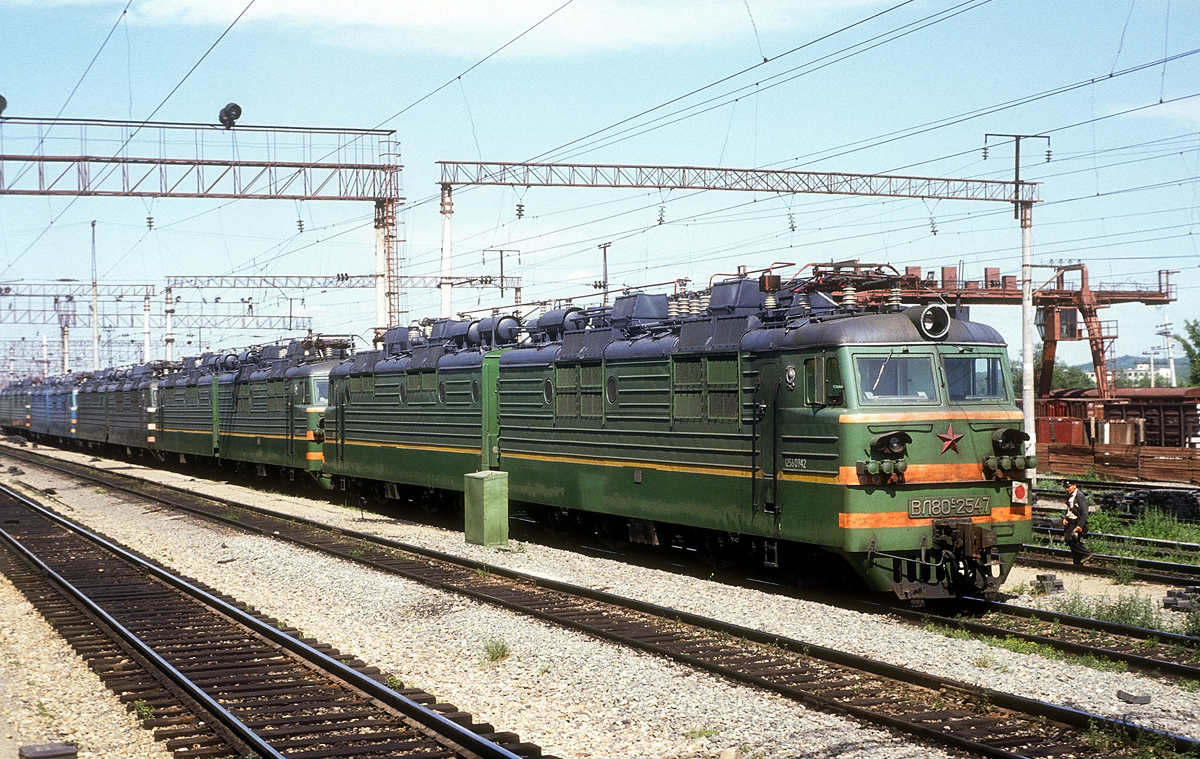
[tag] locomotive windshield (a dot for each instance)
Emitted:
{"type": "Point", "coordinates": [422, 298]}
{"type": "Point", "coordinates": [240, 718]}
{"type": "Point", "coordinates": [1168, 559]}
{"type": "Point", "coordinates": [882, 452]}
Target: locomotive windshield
{"type": "Point", "coordinates": [891, 379]}
{"type": "Point", "coordinates": [975, 378]}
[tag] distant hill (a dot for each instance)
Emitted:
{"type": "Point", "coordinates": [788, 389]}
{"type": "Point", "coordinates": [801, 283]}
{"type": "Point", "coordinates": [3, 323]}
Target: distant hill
{"type": "Point", "coordinates": [1183, 367]}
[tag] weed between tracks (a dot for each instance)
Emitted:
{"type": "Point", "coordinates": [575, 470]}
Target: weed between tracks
{"type": "Point", "coordinates": [496, 650]}
{"type": "Point", "coordinates": [144, 711]}
{"type": "Point", "coordinates": [1133, 610]}
{"type": "Point", "coordinates": [1153, 523]}
{"type": "Point", "coordinates": [1191, 625]}
{"type": "Point", "coordinates": [1016, 645]}
{"type": "Point", "coordinates": [1113, 741]}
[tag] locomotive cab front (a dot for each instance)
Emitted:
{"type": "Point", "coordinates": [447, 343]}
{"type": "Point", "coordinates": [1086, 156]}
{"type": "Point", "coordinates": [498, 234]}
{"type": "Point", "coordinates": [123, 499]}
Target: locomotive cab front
{"type": "Point", "coordinates": [929, 449]}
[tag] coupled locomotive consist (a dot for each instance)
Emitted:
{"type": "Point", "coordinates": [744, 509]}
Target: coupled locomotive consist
{"type": "Point", "coordinates": [777, 421]}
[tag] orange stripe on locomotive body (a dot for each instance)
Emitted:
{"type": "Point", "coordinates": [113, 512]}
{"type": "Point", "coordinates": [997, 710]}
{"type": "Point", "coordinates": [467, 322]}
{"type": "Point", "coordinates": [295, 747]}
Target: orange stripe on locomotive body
{"type": "Point", "coordinates": [886, 519]}
{"type": "Point", "coordinates": [900, 417]}
{"type": "Point", "coordinates": [315, 456]}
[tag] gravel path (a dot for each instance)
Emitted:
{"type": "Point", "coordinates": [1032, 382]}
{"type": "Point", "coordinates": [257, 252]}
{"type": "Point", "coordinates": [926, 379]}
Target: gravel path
{"type": "Point", "coordinates": [575, 696]}
{"type": "Point", "coordinates": [48, 695]}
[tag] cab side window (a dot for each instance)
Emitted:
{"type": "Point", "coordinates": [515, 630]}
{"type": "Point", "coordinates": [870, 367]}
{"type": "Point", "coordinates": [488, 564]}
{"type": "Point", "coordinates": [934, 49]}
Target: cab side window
{"type": "Point", "coordinates": [823, 382]}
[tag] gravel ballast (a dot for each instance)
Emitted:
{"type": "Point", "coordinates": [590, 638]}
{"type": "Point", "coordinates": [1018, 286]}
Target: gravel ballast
{"type": "Point", "coordinates": [575, 696]}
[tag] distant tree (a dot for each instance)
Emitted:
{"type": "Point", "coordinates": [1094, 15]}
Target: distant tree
{"type": "Point", "coordinates": [1191, 346]}
{"type": "Point", "coordinates": [1070, 376]}
{"type": "Point", "coordinates": [1122, 380]}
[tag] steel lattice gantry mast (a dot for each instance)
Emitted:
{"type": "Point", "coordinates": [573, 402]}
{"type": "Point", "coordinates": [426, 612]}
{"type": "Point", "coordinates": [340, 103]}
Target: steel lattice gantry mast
{"type": "Point", "coordinates": [90, 157]}
{"type": "Point", "coordinates": [1021, 194]}
{"type": "Point", "coordinates": [44, 303]}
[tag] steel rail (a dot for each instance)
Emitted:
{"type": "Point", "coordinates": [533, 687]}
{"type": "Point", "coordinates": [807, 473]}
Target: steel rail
{"type": "Point", "coordinates": [1078, 649]}
{"type": "Point", "coordinates": [1075, 718]}
{"type": "Point", "coordinates": [1096, 624]}
{"type": "Point", "coordinates": [1144, 569]}
{"type": "Point", "coordinates": [1178, 545]}
{"type": "Point", "coordinates": [411, 709]}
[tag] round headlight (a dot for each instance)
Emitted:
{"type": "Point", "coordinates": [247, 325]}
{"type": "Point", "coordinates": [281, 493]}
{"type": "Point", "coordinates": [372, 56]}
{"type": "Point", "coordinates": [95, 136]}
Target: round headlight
{"type": "Point", "coordinates": [1006, 462]}
{"type": "Point", "coordinates": [888, 466]}
{"type": "Point", "coordinates": [873, 467]}
{"type": "Point", "coordinates": [991, 462]}
{"type": "Point", "coordinates": [934, 322]}
{"type": "Point", "coordinates": [895, 444]}
{"type": "Point", "coordinates": [1031, 462]}
{"type": "Point", "coordinates": [902, 466]}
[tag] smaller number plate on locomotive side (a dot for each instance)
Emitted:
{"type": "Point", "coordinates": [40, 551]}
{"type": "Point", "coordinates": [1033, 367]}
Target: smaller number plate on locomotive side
{"type": "Point", "coordinates": [919, 508]}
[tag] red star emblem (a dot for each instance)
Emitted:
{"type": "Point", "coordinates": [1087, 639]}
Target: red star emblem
{"type": "Point", "coordinates": [950, 440]}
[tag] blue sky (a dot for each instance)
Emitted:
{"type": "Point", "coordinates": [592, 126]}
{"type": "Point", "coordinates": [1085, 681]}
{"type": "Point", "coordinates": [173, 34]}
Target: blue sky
{"type": "Point", "coordinates": [1120, 193]}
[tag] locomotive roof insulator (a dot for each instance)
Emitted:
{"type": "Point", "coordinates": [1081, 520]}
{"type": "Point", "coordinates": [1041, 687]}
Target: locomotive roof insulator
{"type": "Point", "coordinates": [849, 297]}
{"type": "Point", "coordinates": [892, 443]}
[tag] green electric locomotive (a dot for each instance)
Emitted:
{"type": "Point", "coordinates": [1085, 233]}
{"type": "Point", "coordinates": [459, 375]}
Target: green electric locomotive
{"type": "Point", "coordinates": [887, 438]}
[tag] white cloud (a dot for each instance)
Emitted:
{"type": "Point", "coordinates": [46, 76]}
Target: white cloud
{"type": "Point", "coordinates": [1186, 112]}
{"type": "Point", "coordinates": [476, 27]}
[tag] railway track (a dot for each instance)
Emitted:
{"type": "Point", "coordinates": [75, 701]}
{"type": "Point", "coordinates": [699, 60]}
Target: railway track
{"type": "Point", "coordinates": [1144, 570]}
{"type": "Point", "coordinates": [1153, 546]}
{"type": "Point", "coordinates": [210, 678]}
{"type": "Point", "coordinates": [1153, 652]}
{"type": "Point", "coordinates": [981, 721]}
{"type": "Point", "coordinates": [1121, 487]}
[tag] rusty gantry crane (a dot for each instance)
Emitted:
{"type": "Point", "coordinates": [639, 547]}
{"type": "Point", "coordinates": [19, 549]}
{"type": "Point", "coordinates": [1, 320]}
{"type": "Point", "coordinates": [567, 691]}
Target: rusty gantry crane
{"type": "Point", "coordinates": [1061, 306]}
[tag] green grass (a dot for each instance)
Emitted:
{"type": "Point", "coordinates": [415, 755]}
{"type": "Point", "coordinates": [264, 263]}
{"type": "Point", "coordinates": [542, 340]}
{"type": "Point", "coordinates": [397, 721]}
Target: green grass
{"type": "Point", "coordinates": [44, 711]}
{"type": "Point", "coordinates": [144, 711]}
{"type": "Point", "coordinates": [1191, 625]}
{"type": "Point", "coordinates": [1113, 741]}
{"type": "Point", "coordinates": [1133, 610]}
{"type": "Point", "coordinates": [1021, 646]}
{"type": "Point", "coordinates": [703, 732]}
{"type": "Point", "coordinates": [1155, 523]}
{"type": "Point", "coordinates": [1124, 572]}
{"type": "Point", "coordinates": [393, 682]}
{"type": "Point", "coordinates": [496, 650]}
